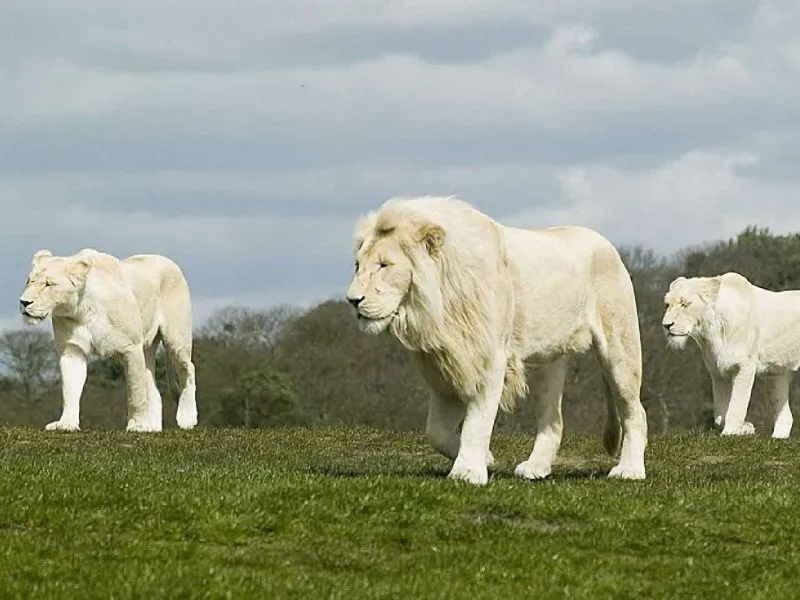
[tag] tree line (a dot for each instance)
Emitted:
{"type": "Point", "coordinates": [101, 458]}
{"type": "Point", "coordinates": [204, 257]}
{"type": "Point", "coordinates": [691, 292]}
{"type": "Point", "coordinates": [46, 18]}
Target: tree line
{"type": "Point", "coordinates": [285, 366]}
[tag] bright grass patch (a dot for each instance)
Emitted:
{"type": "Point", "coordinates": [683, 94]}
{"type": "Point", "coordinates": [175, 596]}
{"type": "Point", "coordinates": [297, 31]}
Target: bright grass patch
{"type": "Point", "coordinates": [359, 513]}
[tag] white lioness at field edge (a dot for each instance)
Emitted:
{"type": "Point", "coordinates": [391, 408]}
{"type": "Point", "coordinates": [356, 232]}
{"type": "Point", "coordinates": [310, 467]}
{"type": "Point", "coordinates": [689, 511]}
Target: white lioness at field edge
{"type": "Point", "coordinates": [744, 332]}
{"type": "Point", "coordinates": [473, 300]}
{"type": "Point", "coordinates": [104, 306]}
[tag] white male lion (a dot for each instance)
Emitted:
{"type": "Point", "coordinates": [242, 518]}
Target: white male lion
{"type": "Point", "coordinates": [473, 299]}
{"type": "Point", "coordinates": [743, 332]}
{"type": "Point", "coordinates": [108, 307]}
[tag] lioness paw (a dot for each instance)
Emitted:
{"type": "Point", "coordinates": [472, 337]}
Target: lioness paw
{"type": "Point", "coordinates": [62, 426]}
{"type": "Point", "coordinates": [747, 428]}
{"type": "Point", "coordinates": [532, 470]}
{"type": "Point", "coordinates": [489, 459]}
{"type": "Point", "coordinates": [622, 471]}
{"type": "Point", "coordinates": [464, 472]}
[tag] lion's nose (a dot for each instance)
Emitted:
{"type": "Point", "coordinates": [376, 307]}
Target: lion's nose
{"type": "Point", "coordinates": [25, 303]}
{"type": "Point", "coordinates": [355, 301]}
{"type": "Point", "coordinates": [668, 326]}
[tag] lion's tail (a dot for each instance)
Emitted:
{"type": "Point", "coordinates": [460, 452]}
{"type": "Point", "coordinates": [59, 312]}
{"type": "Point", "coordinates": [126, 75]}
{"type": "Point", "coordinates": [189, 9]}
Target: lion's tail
{"type": "Point", "coordinates": [612, 436]}
{"type": "Point", "coordinates": [515, 385]}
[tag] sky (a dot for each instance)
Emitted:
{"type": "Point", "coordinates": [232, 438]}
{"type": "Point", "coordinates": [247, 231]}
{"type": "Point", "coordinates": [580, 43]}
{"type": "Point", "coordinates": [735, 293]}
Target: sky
{"type": "Point", "coordinates": [243, 139]}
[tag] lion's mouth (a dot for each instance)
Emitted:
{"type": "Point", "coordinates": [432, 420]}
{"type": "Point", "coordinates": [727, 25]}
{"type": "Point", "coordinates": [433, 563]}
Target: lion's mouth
{"type": "Point", "coordinates": [33, 317]}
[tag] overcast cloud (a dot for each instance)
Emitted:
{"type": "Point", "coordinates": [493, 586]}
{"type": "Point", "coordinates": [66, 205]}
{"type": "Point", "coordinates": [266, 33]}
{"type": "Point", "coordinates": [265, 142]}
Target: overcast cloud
{"type": "Point", "coordinates": [244, 138]}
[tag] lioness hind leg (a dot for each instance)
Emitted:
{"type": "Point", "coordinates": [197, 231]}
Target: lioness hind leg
{"type": "Point", "coordinates": [140, 417]}
{"type": "Point", "coordinates": [154, 403]}
{"type": "Point", "coordinates": [547, 390]}
{"type": "Point", "coordinates": [180, 356]}
{"type": "Point", "coordinates": [176, 334]}
{"type": "Point", "coordinates": [778, 386]}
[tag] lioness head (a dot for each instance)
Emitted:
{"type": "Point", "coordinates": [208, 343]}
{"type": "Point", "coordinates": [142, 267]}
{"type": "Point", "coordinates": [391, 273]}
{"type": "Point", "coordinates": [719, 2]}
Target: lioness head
{"type": "Point", "coordinates": [393, 255]}
{"type": "Point", "coordinates": [688, 304]}
{"type": "Point", "coordinates": [54, 285]}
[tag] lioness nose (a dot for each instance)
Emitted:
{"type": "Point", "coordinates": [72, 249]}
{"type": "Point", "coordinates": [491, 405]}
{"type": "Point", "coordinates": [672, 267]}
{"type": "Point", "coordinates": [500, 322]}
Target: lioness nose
{"type": "Point", "coordinates": [355, 301]}
{"type": "Point", "coordinates": [25, 303]}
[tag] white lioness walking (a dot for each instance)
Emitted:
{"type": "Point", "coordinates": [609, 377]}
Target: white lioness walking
{"type": "Point", "coordinates": [473, 299]}
{"type": "Point", "coordinates": [104, 306]}
{"type": "Point", "coordinates": [744, 332]}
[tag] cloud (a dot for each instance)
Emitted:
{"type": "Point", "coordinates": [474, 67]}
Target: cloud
{"type": "Point", "coordinates": [244, 140]}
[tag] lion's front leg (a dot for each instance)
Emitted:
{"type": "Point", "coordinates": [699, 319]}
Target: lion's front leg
{"type": "Point", "coordinates": [140, 417]}
{"type": "Point", "coordinates": [742, 386]}
{"type": "Point", "coordinates": [445, 414]}
{"type": "Point", "coordinates": [476, 433]}
{"type": "Point", "coordinates": [72, 365]}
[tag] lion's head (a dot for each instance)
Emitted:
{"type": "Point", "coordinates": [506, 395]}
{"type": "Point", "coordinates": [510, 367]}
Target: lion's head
{"type": "Point", "coordinates": [53, 286]}
{"type": "Point", "coordinates": [394, 256]}
{"type": "Point", "coordinates": [689, 304]}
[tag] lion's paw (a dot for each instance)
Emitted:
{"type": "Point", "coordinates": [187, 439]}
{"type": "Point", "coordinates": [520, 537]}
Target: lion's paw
{"type": "Point", "coordinates": [532, 470]}
{"type": "Point", "coordinates": [62, 426]}
{"type": "Point", "coordinates": [747, 428]}
{"type": "Point", "coordinates": [143, 427]}
{"type": "Point", "coordinates": [464, 472]}
{"type": "Point", "coordinates": [186, 418]}
{"type": "Point", "coordinates": [622, 471]}
{"type": "Point", "coordinates": [781, 431]}
{"type": "Point", "coordinates": [489, 459]}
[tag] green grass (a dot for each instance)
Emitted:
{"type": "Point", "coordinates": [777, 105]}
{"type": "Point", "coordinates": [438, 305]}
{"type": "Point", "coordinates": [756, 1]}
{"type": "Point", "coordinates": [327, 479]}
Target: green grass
{"type": "Point", "coordinates": [358, 513]}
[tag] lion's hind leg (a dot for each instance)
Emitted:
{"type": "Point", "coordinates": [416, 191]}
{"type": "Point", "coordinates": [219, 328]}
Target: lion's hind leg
{"type": "Point", "coordinates": [619, 354]}
{"type": "Point", "coordinates": [547, 391]}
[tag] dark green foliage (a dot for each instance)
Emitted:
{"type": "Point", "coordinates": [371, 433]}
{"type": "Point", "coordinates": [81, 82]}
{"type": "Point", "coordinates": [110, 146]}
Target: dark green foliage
{"type": "Point", "coordinates": [285, 366]}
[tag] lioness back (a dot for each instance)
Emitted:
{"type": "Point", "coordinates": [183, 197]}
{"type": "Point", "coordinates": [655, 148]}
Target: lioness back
{"type": "Point", "coordinates": [159, 286]}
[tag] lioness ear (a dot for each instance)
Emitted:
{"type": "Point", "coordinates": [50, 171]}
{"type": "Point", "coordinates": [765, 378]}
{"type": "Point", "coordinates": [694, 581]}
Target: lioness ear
{"type": "Point", "coordinates": [431, 236]}
{"type": "Point", "coordinates": [79, 269]}
{"type": "Point", "coordinates": [39, 255]}
{"type": "Point", "coordinates": [677, 280]}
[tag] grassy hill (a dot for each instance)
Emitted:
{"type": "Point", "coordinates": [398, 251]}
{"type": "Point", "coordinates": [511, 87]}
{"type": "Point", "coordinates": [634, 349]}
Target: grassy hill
{"type": "Point", "coordinates": [360, 513]}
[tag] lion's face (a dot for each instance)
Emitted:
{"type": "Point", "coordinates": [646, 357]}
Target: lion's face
{"type": "Point", "coordinates": [391, 252]}
{"type": "Point", "coordinates": [688, 303]}
{"type": "Point", "coordinates": [381, 281]}
{"type": "Point", "coordinates": [53, 286]}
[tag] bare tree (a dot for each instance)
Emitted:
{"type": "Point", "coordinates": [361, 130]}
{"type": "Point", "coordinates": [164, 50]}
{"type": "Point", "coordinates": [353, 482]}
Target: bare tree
{"type": "Point", "coordinates": [30, 358]}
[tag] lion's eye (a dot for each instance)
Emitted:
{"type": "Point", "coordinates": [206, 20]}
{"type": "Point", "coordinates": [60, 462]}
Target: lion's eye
{"type": "Point", "coordinates": [355, 264]}
{"type": "Point", "coordinates": [383, 265]}
{"type": "Point", "coordinates": [48, 283]}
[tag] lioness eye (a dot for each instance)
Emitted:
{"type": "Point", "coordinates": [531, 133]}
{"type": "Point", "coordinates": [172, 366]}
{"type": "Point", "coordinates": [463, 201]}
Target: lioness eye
{"type": "Point", "coordinates": [383, 265]}
{"type": "Point", "coordinates": [355, 264]}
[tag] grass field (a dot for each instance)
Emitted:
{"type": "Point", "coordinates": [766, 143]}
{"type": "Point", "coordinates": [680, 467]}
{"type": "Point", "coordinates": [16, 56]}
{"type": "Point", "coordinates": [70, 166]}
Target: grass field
{"type": "Point", "coordinates": [357, 513]}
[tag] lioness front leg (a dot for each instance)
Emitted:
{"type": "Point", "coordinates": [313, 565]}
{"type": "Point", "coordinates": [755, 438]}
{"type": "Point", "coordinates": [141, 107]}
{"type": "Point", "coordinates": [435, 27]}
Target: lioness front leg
{"type": "Point", "coordinates": [140, 417]}
{"type": "Point", "coordinates": [741, 388]}
{"type": "Point", "coordinates": [721, 392]}
{"type": "Point", "coordinates": [72, 365]}
{"type": "Point", "coordinates": [476, 433]}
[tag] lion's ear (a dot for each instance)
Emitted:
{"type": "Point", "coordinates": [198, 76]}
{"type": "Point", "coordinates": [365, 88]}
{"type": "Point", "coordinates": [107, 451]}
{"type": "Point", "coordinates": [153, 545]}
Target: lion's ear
{"type": "Point", "coordinates": [432, 237]}
{"type": "Point", "coordinates": [79, 269]}
{"type": "Point", "coordinates": [39, 255]}
{"type": "Point", "coordinates": [365, 224]}
{"type": "Point", "coordinates": [710, 290]}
